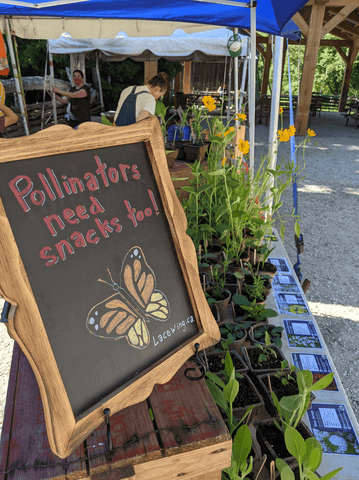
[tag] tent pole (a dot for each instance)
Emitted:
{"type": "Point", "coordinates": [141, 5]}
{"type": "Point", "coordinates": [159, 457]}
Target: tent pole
{"type": "Point", "coordinates": [20, 95]}
{"type": "Point", "coordinates": [274, 112]}
{"type": "Point", "coordinates": [243, 83]}
{"type": "Point", "coordinates": [52, 78]}
{"type": "Point", "coordinates": [99, 81]}
{"type": "Point", "coordinates": [252, 86]}
{"type": "Point", "coordinates": [229, 88]}
{"type": "Point", "coordinates": [235, 31]}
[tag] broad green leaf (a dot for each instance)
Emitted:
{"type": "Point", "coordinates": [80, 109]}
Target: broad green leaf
{"type": "Point", "coordinates": [230, 391]}
{"type": "Point", "coordinates": [313, 453]}
{"type": "Point", "coordinates": [285, 472]}
{"type": "Point", "coordinates": [291, 403]}
{"type": "Point", "coordinates": [310, 475]}
{"type": "Point", "coordinates": [215, 378]}
{"type": "Point", "coordinates": [304, 380]}
{"type": "Point", "coordinates": [228, 364]}
{"type": "Point", "coordinates": [221, 171]}
{"type": "Point", "coordinates": [217, 395]}
{"type": "Point", "coordinates": [297, 228]}
{"type": "Point", "coordinates": [330, 475]}
{"type": "Point", "coordinates": [242, 444]}
{"type": "Point", "coordinates": [240, 299]}
{"type": "Point", "coordinates": [268, 312]}
{"type": "Point", "coordinates": [189, 189]}
{"type": "Point", "coordinates": [323, 382]}
{"type": "Point", "coordinates": [294, 443]}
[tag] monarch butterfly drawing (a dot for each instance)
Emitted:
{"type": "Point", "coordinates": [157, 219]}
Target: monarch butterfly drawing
{"type": "Point", "coordinates": [136, 301]}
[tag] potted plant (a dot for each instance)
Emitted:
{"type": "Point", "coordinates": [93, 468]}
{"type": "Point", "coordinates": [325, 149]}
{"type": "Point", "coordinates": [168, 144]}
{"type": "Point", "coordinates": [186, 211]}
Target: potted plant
{"type": "Point", "coordinates": [171, 152]}
{"type": "Point", "coordinates": [308, 455]}
{"type": "Point", "coordinates": [270, 433]}
{"type": "Point", "coordinates": [257, 334]}
{"type": "Point", "coordinates": [234, 334]}
{"type": "Point", "coordinates": [256, 313]}
{"type": "Point", "coordinates": [216, 362]}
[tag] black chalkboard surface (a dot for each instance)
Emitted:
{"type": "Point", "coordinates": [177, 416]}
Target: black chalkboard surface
{"type": "Point", "coordinates": [99, 249]}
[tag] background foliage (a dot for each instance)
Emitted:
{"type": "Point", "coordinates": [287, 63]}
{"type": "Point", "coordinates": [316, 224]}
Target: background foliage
{"type": "Point", "coordinates": [115, 76]}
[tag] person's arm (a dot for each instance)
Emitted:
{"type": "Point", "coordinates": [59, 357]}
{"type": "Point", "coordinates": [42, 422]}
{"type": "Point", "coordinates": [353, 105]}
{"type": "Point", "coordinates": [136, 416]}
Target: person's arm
{"type": "Point", "coordinates": [78, 94]}
{"type": "Point", "coordinates": [10, 116]}
{"type": "Point", "coordinates": [143, 114]}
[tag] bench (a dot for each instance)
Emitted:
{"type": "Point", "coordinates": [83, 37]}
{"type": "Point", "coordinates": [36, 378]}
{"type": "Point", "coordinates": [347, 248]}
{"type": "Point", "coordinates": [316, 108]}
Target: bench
{"type": "Point", "coordinates": [351, 116]}
{"type": "Point", "coordinates": [178, 431]}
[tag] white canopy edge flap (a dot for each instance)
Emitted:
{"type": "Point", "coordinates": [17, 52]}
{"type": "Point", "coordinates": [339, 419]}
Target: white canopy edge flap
{"type": "Point", "coordinates": [51, 28]}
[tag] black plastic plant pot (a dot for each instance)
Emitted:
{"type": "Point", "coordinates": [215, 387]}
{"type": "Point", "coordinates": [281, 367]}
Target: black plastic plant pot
{"type": "Point", "coordinates": [272, 364]}
{"type": "Point", "coordinates": [216, 366]}
{"type": "Point", "coordinates": [221, 302]}
{"type": "Point", "coordinates": [279, 389]}
{"type": "Point", "coordinates": [248, 390]}
{"type": "Point", "coordinates": [255, 339]}
{"type": "Point", "coordinates": [271, 440]}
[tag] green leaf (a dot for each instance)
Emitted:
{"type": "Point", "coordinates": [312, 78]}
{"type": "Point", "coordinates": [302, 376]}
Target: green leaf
{"type": "Point", "coordinates": [297, 228]}
{"type": "Point", "coordinates": [217, 395]}
{"type": "Point", "coordinates": [285, 471]}
{"type": "Point", "coordinates": [304, 380]}
{"type": "Point", "coordinates": [294, 443]}
{"type": "Point", "coordinates": [240, 299]}
{"type": "Point", "coordinates": [309, 474]}
{"type": "Point", "coordinates": [313, 453]}
{"type": "Point", "coordinates": [105, 121]}
{"type": "Point", "coordinates": [330, 475]}
{"type": "Point", "coordinates": [268, 312]}
{"type": "Point", "coordinates": [323, 382]}
{"type": "Point", "coordinates": [215, 379]}
{"type": "Point", "coordinates": [242, 444]}
{"type": "Point", "coordinates": [230, 391]}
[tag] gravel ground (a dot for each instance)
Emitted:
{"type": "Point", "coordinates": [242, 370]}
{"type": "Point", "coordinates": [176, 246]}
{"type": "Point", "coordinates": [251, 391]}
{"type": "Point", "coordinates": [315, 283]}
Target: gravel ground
{"type": "Point", "coordinates": [328, 200]}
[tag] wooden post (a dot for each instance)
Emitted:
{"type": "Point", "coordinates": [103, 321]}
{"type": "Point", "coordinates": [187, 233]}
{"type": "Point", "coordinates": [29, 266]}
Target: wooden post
{"type": "Point", "coordinates": [150, 70]}
{"type": "Point", "coordinates": [310, 60]}
{"type": "Point", "coordinates": [353, 52]}
{"type": "Point", "coordinates": [178, 85]}
{"type": "Point", "coordinates": [266, 67]}
{"type": "Point", "coordinates": [187, 77]}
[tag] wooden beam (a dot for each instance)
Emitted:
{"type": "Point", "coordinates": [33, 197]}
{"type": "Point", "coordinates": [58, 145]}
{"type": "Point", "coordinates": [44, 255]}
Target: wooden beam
{"type": "Point", "coordinates": [302, 24]}
{"type": "Point", "coordinates": [354, 18]}
{"type": "Point", "coordinates": [187, 77]}
{"type": "Point", "coordinates": [353, 52]}
{"type": "Point", "coordinates": [324, 43]}
{"type": "Point", "coordinates": [266, 68]}
{"type": "Point", "coordinates": [346, 28]}
{"type": "Point", "coordinates": [150, 70]}
{"type": "Point", "coordinates": [261, 49]}
{"type": "Point", "coordinates": [339, 17]}
{"type": "Point", "coordinates": [342, 54]}
{"type": "Point", "coordinates": [310, 60]}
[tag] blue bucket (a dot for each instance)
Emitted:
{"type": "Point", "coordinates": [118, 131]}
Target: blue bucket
{"type": "Point", "coordinates": [182, 133]}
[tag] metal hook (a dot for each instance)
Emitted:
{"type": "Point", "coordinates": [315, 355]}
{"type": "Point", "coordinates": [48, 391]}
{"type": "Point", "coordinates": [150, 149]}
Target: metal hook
{"type": "Point", "coordinates": [107, 413]}
{"type": "Point", "coordinates": [200, 364]}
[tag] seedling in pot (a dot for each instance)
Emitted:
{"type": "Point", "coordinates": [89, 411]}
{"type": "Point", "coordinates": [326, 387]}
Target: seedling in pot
{"type": "Point", "coordinates": [275, 334]}
{"type": "Point", "coordinates": [285, 376]}
{"type": "Point", "coordinates": [256, 312]}
{"type": "Point", "coordinates": [267, 351]}
{"type": "Point", "coordinates": [308, 454]}
{"type": "Point", "coordinates": [292, 408]}
{"type": "Point", "coordinates": [234, 331]}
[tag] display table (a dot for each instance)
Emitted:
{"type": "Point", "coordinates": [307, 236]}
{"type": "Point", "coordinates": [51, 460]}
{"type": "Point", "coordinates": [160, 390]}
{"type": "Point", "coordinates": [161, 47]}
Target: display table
{"type": "Point", "coordinates": [177, 432]}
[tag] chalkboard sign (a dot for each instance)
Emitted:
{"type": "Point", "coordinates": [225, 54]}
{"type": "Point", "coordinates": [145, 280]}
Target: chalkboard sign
{"type": "Point", "coordinates": [93, 252]}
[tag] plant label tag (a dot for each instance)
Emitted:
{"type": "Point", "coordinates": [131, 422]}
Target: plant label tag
{"type": "Point", "coordinates": [285, 284]}
{"type": "Point", "coordinates": [301, 334]}
{"type": "Point", "coordinates": [293, 304]}
{"type": "Point", "coordinates": [332, 427]}
{"type": "Point", "coordinates": [281, 264]}
{"type": "Point", "coordinates": [318, 364]}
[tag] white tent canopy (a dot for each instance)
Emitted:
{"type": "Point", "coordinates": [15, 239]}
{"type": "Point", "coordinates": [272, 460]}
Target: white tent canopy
{"type": "Point", "coordinates": [180, 46]}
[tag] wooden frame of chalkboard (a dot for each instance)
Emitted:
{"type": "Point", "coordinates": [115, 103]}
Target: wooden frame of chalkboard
{"type": "Point", "coordinates": [88, 304]}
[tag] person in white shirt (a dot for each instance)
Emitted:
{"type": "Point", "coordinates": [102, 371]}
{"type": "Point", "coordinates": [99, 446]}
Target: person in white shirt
{"type": "Point", "coordinates": [139, 102]}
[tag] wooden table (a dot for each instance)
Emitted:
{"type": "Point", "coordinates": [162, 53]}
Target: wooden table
{"type": "Point", "coordinates": [186, 438]}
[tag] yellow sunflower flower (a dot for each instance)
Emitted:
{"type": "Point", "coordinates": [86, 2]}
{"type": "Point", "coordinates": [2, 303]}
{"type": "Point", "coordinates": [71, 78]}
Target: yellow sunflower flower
{"type": "Point", "coordinates": [224, 159]}
{"type": "Point", "coordinates": [243, 146]}
{"type": "Point", "coordinates": [283, 135]}
{"type": "Point", "coordinates": [209, 102]}
{"type": "Point", "coordinates": [291, 130]}
{"type": "Point", "coordinates": [219, 134]}
{"type": "Point", "coordinates": [241, 116]}
{"type": "Point", "coordinates": [280, 110]}
{"type": "Point", "coordinates": [231, 129]}
{"type": "Point", "coordinates": [311, 133]}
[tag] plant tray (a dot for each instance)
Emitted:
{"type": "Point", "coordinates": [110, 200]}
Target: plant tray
{"type": "Point", "coordinates": [273, 366]}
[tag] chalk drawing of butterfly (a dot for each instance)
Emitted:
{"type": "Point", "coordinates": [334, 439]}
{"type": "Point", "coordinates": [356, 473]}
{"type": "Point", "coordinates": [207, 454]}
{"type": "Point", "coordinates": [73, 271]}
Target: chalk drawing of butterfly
{"type": "Point", "coordinates": [136, 301]}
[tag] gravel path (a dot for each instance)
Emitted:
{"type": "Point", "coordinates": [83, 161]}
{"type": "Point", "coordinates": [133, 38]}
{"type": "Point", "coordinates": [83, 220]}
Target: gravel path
{"type": "Point", "coordinates": [328, 200]}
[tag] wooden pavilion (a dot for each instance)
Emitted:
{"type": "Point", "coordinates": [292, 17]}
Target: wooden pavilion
{"type": "Point", "coordinates": [316, 19]}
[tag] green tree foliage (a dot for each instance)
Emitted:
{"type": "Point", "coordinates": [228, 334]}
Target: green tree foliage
{"type": "Point", "coordinates": [115, 76]}
{"type": "Point", "coordinates": [329, 73]}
